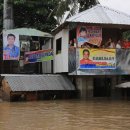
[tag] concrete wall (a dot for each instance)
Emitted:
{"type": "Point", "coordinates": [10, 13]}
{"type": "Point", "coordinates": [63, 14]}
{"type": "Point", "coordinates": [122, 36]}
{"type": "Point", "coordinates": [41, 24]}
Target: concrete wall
{"type": "Point", "coordinates": [47, 66]}
{"type": "Point", "coordinates": [85, 85]}
{"type": "Point", "coordinates": [116, 92]}
{"type": "Point", "coordinates": [61, 60]}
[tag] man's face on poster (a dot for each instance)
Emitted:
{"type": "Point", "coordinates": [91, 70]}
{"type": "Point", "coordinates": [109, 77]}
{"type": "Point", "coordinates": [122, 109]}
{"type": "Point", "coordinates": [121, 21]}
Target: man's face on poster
{"type": "Point", "coordinates": [11, 40]}
{"type": "Point", "coordinates": [83, 34]}
{"type": "Point", "coordinates": [86, 55]}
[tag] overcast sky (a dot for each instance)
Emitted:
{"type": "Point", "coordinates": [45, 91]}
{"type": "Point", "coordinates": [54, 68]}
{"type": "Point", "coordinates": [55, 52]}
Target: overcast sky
{"type": "Point", "coordinates": [121, 5]}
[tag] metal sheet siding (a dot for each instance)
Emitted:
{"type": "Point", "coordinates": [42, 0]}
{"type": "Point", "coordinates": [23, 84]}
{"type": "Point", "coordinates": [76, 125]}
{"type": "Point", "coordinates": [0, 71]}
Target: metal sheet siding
{"type": "Point", "coordinates": [39, 82]}
{"type": "Point", "coordinates": [101, 14]}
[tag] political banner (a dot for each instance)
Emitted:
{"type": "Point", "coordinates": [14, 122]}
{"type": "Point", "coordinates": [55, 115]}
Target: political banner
{"type": "Point", "coordinates": [97, 58]}
{"type": "Point", "coordinates": [11, 49]}
{"type": "Point", "coordinates": [122, 64]}
{"type": "Point", "coordinates": [38, 56]}
{"type": "Point", "coordinates": [89, 35]}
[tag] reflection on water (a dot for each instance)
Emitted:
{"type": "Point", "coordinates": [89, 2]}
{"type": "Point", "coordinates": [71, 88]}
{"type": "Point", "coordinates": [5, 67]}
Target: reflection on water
{"type": "Point", "coordinates": [65, 115]}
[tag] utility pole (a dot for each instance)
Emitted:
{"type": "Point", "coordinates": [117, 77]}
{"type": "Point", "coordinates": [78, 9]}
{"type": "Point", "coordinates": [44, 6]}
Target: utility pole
{"type": "Point", "coordinates": [8, 23]}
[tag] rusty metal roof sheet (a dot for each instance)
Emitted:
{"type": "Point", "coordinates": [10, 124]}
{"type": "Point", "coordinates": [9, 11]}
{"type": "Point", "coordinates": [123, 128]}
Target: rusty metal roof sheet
{"type": "Point", "coordinates": [38, 82]}
{"type": "Point", "coordinates": [101, 15]}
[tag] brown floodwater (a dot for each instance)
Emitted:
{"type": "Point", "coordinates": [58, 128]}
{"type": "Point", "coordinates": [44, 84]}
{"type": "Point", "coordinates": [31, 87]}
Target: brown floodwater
{"type": "Point", "coordinates": [65, 115]}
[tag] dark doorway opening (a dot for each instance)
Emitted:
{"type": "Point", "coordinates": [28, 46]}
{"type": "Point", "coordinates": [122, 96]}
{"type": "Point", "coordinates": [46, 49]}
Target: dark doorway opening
{"type": "Point", "coordinates": [72, 38]}
{"type": "Point", "coordinates": [102, 87]}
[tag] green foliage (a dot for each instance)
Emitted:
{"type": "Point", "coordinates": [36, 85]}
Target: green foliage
{"type": "Point", "coordinates": [17, 2]}
{"type": "Point", "coordinates": [126, 35]}
{"type": "Point", "coordinates": [72, 6]}
{"type": "Point", "coordinates": [34, 14]}
{"type": "Point", "coordinates": [40, 14]}
{"type": "Point", "coordinates": [85, 4]}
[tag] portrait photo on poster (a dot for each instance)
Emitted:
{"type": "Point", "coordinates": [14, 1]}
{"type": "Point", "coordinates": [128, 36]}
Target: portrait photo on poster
{"type": "Point", "coordinates": [82, 36]}
{"type": "Point", "coordinates": [11, 47]}
{"type": "Point", "coordinates": [97, 58]}
{"type": "Point", "coordinates": [88, 36]}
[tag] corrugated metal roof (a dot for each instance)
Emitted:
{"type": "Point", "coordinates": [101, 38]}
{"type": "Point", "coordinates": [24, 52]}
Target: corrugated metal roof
{"type": "Point", "coordinates": [29, 32]}
{"type": "Point", "coordinates": [101, 15]}
{"type": "Point", "coordinates": [39, 82]}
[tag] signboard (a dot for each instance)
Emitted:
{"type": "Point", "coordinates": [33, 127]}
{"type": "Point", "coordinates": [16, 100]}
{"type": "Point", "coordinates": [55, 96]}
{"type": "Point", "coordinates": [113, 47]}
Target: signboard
{"type": "Point", "coordinates": [122, 62]}
{"type": "Point", "coordinates": [38, 56]}
{"type": "Point", "coordinates": [97, 58]}
{"type": "Point", "coordinates": [89, 35]}
{"type": "Point", "coordinates": [11, 49]}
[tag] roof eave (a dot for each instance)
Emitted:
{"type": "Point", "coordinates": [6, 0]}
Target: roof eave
{"type": "Point", "coordinates": [107, 25]}
{"type": "Point", "coordinates": [59, 28]}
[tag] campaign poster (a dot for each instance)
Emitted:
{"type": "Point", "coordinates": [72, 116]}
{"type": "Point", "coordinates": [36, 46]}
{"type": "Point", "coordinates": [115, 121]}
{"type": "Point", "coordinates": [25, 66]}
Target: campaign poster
{"type": "Point", "coordinates": [97, 58]}
{"type": "Point", "coordinates": [89, 35]}
{"type": "Point", "coordinates": [11, 48]}
{"type": "Point", "coordinates": [38, 56]}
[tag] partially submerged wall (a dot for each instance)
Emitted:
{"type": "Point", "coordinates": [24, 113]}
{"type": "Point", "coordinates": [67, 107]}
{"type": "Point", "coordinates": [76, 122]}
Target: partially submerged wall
{"type": "Point", "coordinates": [5, 90]}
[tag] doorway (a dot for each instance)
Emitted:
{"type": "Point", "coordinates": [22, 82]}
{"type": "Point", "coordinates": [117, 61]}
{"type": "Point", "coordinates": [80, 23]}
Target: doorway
{"type": "Point", "coordinates": [102, 87]}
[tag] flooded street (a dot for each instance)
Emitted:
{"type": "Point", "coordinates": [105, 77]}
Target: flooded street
{"type": "Point", "coordinates": [65, 115]}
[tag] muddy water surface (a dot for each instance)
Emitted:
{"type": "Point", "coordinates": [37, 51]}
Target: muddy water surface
{"type": "Point", "coordinates": [65, 115]}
